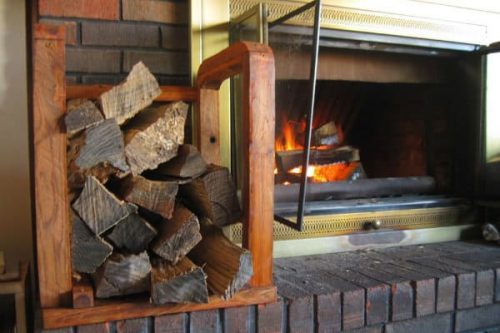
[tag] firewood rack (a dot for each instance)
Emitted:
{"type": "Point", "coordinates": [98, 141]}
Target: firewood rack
{"type": "Point", "coordinates": [255, 63]}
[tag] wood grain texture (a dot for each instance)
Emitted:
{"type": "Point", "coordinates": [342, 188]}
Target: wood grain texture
{"type": "Point", "coordinates": [256, 64]}
{"type": "Point", "coordinates": [153, 195]}
{"type": "Point", "coordinates": [213, 195]}
{"type": "Point", "coordinates": [81, 114]}
{"type": "Point", "coordinates": [187, 164]}
{"type": "Point", "coordinates": [88, 251]}
{"type": "Point", "coordinates": [183, 282]}
{"type": "Point", "coordinates": [127, 99]}
{"type": "Point", "coordinates": [133, 233]}
{"type": "Point", "coordinates": [83, 294]}
{"type": "Point", "coordinates": [177, 236]}
{"type": "Point", "coordinates": [99, 151]}
{"type": "Point", "coordinates": [49, 165]}
{"type": "Point", "coordinates": [99, 208]}
{"type": "Point", "coordinates": [126, 309]}
{"type": "Point", "coordinates": [123, 275]}
{"type": "Point", "coordinates": [168, 93]}
{"type": "Point", "coordinates": [228, 266]}
{"type": "Point", "coordinates": [154, 136]}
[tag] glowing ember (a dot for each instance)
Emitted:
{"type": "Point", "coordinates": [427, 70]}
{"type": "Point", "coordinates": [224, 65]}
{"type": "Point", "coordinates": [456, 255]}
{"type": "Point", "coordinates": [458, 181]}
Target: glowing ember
{"type": "Point", "coordinates": [328, 172]}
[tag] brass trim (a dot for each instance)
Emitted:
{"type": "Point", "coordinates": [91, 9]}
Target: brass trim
{"type": "Point", "coordinates": [340, 224]}
{"type": "Point", "coordinates": [382, 22]}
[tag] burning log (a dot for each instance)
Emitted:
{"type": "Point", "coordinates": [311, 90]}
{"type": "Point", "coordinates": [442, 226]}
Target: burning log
{"type": "Point", "coordinates": [88, 251]}
{"type": "Point", "coordinates": [228, 266]}
{"type": "Point", "coordinates": [287, 160]}
{"type": "Point", "coordinates": [177, 236]}
{"type": "Point", "coordinates": [82, 113]}
{"type": "Point", "coordinates": [187, 164]}
{"type": "Point", "coordinates": [99, 208]}
{"type": "Point", "coordinates": [132, 233]}
{"type": "Point", "coordinates": [127, 99]}
{"type": "Point", "coordinates": [123, 275]}
{"type": "Point", "coordinates": [327, 135]}
{"type": "Point", "coordinates": [213, 195]}
{"type": "Point", "coordinates": [183, 282]}
{"type": "Point", "coordinates": [156, 196]}
{"type": "Point", "coordinates": [98, 151]}
{"type": "Point", "coordinates": [154, 136]}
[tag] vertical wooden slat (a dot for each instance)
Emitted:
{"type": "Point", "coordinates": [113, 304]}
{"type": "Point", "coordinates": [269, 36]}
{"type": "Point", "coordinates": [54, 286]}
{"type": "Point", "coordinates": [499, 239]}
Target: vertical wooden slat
{"type": "Point", "coordinates": [256, 63]}
{"type": "Point", "coordinates": [50, 192]}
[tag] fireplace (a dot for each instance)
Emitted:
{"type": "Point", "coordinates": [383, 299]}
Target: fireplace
{"type": "Point", "coordinates": [402, 124]}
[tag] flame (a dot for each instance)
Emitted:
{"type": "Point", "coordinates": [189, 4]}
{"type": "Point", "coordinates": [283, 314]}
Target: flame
{"type": "Point", "coordinates": [288, 138]}
{"type": "Point", "coordinates": [328, 172]}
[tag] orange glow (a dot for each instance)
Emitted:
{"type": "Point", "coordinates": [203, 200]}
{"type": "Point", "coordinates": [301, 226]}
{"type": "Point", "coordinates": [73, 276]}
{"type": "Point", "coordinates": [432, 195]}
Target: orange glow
{"type": "Point", "coordinates": [288, 138]}
{"type": "Point", "coordinates": [328, 172]}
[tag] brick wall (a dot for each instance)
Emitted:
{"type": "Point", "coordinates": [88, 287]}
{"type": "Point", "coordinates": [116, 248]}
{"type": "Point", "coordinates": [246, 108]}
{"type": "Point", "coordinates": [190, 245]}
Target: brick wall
{"type": "Point", "coordinates": [106, 38]}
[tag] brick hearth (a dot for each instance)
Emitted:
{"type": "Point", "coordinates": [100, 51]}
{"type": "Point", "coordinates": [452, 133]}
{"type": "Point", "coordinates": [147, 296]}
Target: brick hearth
{"type": "Point", "coordinates": [444, 287]}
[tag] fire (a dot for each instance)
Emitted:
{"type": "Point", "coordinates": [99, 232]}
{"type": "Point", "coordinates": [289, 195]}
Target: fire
{"type": "Point", "coordinates": [329, 172]}
{"type": "Point", "coordinates": [288, 138]}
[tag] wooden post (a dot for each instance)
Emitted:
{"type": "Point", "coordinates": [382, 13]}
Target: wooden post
{"type": "Point", "coordinates": [256, 64]}
{"type": "Point", "coordinates": [50, 191]}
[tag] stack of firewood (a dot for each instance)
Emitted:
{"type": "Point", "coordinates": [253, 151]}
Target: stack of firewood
{"type": "Point", "coordinates": [146, 208]}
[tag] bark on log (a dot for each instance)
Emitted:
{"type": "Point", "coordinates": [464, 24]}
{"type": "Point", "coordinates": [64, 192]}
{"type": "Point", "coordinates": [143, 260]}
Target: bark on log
{"type": "Point", "coordinates": [187, 164]}
{"type": "Point", "coordinates": [228, 267]}
{"type": "Point", "coordinates": [132, 233]}
{"type": "Point", "coordinates": [154, 136]}
{"type": "Point", "coordinates": [130, 97]}
{"type": "Point", "coordinates": [98, 151]}
{"type": "Point", "coordinates": [156, 196]}
{"type": "Point", "coordinates": [213, 195]}
{"type": "Point", "coordinates": [183, 282]}
{"type": "Point", "coordinates": [177, 236]}
{"type": "Point", "coordinates": [82, 113]}
{"type": "Point", "coordinates": [123, 274]}
{"type": "Point", "coordinates": [99, 208]}
{"type": "Point", "coordinates": [88, 251]}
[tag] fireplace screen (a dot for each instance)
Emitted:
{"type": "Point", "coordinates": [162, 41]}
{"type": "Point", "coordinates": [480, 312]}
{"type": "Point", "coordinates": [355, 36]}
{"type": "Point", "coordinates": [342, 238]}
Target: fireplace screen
{"type": "Point", "coordinates": [395, 122]}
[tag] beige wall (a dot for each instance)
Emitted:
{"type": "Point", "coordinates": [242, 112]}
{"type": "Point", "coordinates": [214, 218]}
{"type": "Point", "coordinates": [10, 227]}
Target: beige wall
{"type": "Point", "coordinates": [15, 222]}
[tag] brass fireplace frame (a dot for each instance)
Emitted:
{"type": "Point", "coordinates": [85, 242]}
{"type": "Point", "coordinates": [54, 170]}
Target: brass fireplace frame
{"type": "Point", "coordinates": [439, 21]}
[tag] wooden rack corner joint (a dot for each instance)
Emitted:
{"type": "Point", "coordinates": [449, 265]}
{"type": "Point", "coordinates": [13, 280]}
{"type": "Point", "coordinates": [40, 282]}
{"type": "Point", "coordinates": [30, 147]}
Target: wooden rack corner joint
{"type": "Point", "coordinates": [255, 63]}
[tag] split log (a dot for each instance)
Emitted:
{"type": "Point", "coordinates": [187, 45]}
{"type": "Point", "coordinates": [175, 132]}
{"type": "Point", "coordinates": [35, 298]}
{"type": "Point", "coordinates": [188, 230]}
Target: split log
{"type": "Point", "coordinates": [127, 99]}
{"type": "Point", "coordinates": [187, 164]}
{"type": "Point", "coordinates": [98, 151]}
{"type": "Point", "coordinates": [287, 160]}
{"type": "Point", "coordinates": [81, 113]}
{"type": "Point", "coordinates": [183, 282]}
{"type": "Point", "coordinates": [177, 236]}
{"type": "Point", "coordinates": [88, 251]}
{"type": "Point", "coordinates": [132, 233]}
{"type": "Point", "coordinates": [123, 274]}
{"type": "Point", "coordinates": [213, 195]}
{"type": "Point", "coordinates": [154, 136]}
{"type": "Point", "coordinates": [99, 208]}
{"type": "Point", "coordinates": [83, 293]}
{"type": "Point", "coordinates": [228, 266]}
{"type": "Point", "coordinates": [327, 135]}
{"type": "Point", "coordinates": [156, 196]}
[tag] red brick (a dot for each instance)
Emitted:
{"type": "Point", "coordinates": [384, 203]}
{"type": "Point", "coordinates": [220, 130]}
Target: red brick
{"type": "Point", "coordinates": [238, 320]}
{"type": "Point", "coordinates": [92, 61]}
{"type": "Point", "coordinates": [93, 9]}
{"type": "Point", "coordinates": [171, 323]}
{"type": "Point", "coordinates": [119, 34]}
{"type": "Point", "coordinates": [155, 11]}
{"type": "Point", "coordinates": [96, 328]}
{"type": "Point", "coordinates": [174, 38]}
{"type": "Point", "coordinates": [171, 63]}
{"type": "Point", "coordinates": [140, 325]}
{"type": "Point", "coordinates": [269, 317]}
{"type": "Point", "coordinates": [204, 321]}
{"type": "Point", "coordinates": [71, 29]}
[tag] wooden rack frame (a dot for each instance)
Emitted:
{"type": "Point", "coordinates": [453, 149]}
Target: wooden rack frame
{"type": "Point", "coordinates": [255, 63]}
